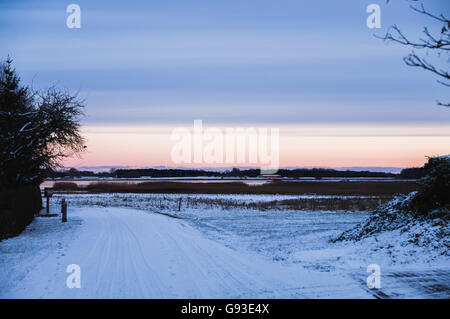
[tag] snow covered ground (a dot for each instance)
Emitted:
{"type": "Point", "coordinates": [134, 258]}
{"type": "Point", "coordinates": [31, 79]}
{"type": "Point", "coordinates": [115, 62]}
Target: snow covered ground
{"type": "Point", "coordinates": [124, 253]}
{"type": "Point", "coordinates": [208, 252]}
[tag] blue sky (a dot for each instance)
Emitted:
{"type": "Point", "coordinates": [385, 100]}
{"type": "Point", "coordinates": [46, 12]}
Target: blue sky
{"type": "Point", "coordinates": [284, 61]}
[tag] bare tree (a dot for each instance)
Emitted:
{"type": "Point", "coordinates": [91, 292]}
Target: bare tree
{"type": "Point", "coordinates": [37, 129]}
{"type": "Point", "coordinates": [434, 44]}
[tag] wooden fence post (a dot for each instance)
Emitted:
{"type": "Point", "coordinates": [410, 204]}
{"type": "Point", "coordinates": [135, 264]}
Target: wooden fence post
{"type": "Point", "coordinates": [48, 193]}
{"type": "Point", "coordinates": [179, 204]}
{"type": "Point", "coordinates": [64, 210]}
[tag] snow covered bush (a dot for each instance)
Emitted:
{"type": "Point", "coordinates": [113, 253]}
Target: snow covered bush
{"type": "Point", "coordinates": [421, 216]}
{"type": "Point", "coordinates": [37, 129]}
{"type": "Point", "coordinates": [433, 195]}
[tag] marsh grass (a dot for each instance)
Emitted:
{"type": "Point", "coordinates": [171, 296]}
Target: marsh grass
{"type": "Point", "coordinates": [342, 188]}
{"type": "Point", "coordinates": [306, 204]}
{"type": "Point", "coordinates": [169, 203]}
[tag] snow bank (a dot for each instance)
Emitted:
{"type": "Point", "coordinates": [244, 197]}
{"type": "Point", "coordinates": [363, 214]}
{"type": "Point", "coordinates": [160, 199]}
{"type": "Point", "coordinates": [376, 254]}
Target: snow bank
{"type": "Point", "coordinates": [402, 235]}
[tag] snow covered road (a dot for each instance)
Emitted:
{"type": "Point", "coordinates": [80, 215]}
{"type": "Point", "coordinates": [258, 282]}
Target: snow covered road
{"type": "Point", "coordinates": [127, 253]}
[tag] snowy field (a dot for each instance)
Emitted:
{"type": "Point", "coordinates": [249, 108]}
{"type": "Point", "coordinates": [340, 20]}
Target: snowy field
{"type": "Point", "coordinates": [150, 246]}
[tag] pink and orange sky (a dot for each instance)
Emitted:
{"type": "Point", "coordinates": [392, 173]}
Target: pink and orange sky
{"type": "Point", "coordinates": [313, 69]}
{"type": "Point", "coordinates": [333, 145]}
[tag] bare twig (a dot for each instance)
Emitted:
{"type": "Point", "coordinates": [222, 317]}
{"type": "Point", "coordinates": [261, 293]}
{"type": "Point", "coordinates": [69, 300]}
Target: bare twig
{"type": "Point", "coordinates": [438, 44]}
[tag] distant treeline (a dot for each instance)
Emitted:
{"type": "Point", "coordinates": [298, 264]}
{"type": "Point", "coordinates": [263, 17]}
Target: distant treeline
{"type": "Point", "coordinates": [74, 173]}
{"type": "Point", "coordinates": [408, 173]}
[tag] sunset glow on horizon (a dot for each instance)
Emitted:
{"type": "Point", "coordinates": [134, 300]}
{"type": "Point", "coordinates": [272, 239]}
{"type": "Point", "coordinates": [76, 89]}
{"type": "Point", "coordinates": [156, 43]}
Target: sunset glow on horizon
{"type": "Point", "coordinates": [339, 96]}
{"type": "Point", "coordinates": [330, 145]}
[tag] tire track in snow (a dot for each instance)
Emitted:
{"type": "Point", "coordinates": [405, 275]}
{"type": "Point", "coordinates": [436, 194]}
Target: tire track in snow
{"type": "Point", "coordinates": [125, 253]}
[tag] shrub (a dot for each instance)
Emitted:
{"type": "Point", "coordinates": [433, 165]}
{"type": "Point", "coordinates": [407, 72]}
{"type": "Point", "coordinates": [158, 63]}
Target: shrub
{"type": "Point", "coordinates": [429, 204]}
{"type": "Point", "coordinates": [434, 188]}
{"type": "Point", "coordinates": [17, 208]}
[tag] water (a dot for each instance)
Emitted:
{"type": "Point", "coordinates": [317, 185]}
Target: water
{"type": "Point", "coordinates": [249, 181]}
{"type": "Point", "coordinates": [84, 182]}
